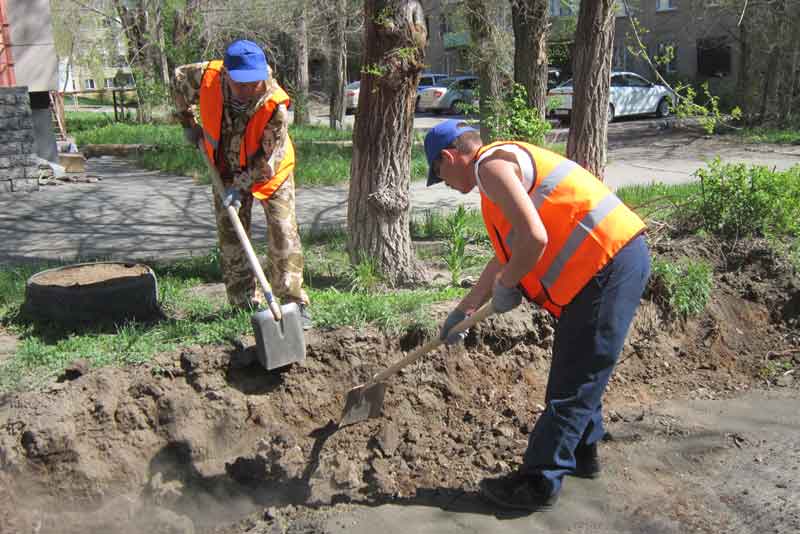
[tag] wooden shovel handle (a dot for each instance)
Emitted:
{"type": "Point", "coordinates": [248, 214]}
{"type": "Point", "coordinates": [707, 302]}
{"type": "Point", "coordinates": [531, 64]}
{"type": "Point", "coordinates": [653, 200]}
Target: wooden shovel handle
{"type": "Point", "coordinates": [485, 311]}
{"type": "Point", "coordinates": [233, 215]}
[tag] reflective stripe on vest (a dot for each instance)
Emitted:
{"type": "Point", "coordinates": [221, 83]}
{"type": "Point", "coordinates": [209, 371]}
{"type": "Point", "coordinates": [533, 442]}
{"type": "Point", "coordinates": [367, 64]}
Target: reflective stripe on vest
{"type": "Point", "coordinates": [586, 226]}
{"type": "Point", "coordinates": [211, 102]}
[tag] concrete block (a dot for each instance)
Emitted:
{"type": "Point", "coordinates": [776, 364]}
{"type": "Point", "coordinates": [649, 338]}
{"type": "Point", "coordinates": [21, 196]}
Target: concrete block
{"type": "Point", "coordinates": [8, 125]}
{"type": "Point", "coordinates": [26, 185]}
{"type": "Point", "coordinates": [9, 148]}
{"type": "Point", "coordinates": [6, 186]}
{"type": "Point", "coordinates": [74, 162]}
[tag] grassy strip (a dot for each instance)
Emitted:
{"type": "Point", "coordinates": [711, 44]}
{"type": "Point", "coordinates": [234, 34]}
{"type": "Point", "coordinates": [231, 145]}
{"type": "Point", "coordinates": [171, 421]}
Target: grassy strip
{"type": "Point", "coordinates": [788, 136]}
{"type": "Point", "coordinates": [192, 318]}
{"type": "Point", "coordinates": [323, 154]}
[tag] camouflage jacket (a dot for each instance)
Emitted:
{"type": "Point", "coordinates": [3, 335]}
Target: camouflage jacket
{"type": "Point", "coordinates": [273, 142]}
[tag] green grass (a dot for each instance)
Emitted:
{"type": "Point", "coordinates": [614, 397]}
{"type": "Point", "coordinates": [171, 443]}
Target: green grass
{"type": "Point", "coordinates": [658, 201]}
{"type": "Point", "coordinates": [323, 154]}
{"type": "Point", "coordinates": [44, 348]}
{"type": "Point", "coordinates": [788, 136]}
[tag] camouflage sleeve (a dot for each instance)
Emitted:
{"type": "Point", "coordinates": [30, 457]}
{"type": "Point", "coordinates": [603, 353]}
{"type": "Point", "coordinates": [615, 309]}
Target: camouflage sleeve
{"type": "Point", "coordinates": [273, 145]}
{"type": "Point", "coordinates": [187, 91]}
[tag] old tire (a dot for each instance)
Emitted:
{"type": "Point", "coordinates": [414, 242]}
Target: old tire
{"type": "Point", "coordinates": [662, 111]}
{"type": "Point", "coordinates": [93, 292]}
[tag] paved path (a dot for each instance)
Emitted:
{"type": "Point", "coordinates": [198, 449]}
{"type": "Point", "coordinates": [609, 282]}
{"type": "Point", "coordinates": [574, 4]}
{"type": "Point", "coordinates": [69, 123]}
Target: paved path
{"type": "Point", "coordinates": [136, 214]}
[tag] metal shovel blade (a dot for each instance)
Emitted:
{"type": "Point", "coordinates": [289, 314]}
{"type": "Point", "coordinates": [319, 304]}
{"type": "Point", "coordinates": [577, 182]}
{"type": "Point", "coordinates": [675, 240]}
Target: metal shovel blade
{"type": "Point", "coordinates": [279, 343]}
{"type": "Point", "coordinates": [363, 402]}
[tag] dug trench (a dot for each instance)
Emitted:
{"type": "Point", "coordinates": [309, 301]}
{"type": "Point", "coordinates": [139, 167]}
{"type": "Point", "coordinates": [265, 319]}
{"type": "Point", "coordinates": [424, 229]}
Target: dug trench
{"type": "Point", "coordinates": [205, 440]}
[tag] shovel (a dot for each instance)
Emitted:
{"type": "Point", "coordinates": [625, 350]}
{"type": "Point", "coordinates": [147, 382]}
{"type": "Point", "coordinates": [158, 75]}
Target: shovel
{"type": "Point", "coordinates": [278, 331]}
{"type": "Point", "coordinates": [366, 400]}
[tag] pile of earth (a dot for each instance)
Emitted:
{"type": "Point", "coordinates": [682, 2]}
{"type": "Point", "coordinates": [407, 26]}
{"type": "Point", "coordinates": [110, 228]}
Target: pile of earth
{"type": "Point", "coordinates": [196, 440]}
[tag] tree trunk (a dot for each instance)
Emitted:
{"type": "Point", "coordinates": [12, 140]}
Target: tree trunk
{"type": "Point", "coordinates": [162, 45]}
{"type": "Point", "coordinates": [301, 102]}
{"type": "Point", "coordinates": [484, 45]}
{"type": "Point", "coordinates": [744, 79]}
{"type": "Point", "coordinates": [338, 65]}
{"type": "Point", "coordinates": [594, 44]}
{"type": "Point", "coordinates": [378, 214]}
{"type": "Point", "coordinates": [531, 27]}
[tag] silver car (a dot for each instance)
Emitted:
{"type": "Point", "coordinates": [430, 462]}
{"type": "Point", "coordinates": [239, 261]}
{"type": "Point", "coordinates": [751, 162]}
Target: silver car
{"type": "Point", "coordinates": [449, 95]}
{"type": "Point", "coordinates": [630, 95]}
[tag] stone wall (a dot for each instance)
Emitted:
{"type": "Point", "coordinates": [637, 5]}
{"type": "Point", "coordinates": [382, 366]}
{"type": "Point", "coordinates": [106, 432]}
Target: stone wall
{"type": "Point", "coordinates": [19, 168]}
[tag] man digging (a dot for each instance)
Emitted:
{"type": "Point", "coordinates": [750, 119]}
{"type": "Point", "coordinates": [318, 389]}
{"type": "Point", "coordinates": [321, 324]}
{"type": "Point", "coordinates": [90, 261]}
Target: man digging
{"type": "Point", "coordinates": [245, 132]}
{"type": "Point", "coordinates": [562, 240]}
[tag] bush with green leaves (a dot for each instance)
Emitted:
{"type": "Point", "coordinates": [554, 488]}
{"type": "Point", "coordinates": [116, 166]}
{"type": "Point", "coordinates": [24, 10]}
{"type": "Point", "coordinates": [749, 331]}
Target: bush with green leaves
{"type": "Point", "coordinates": [737, 200]}
{"type": "Point", "coordinates": [512, 119]}
{"type": "Point", "coordinates": [682, 289]}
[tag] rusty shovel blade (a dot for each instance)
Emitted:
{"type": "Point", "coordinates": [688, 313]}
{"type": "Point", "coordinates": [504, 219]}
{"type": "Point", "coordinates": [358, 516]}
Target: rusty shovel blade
{"type": "Point", "coordinates": [363, 402]}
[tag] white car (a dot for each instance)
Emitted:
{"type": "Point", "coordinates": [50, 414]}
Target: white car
{"type": "Point", "coordinates": [630, 95]}
{"type": "Point", "coordinates": [449, 95]}
{"type": "Point", "coordinates": [351, 91]}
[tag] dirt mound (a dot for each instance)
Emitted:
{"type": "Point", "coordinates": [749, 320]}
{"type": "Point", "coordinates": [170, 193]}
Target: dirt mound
{"type": "Point", "coordinates": [201, 438]}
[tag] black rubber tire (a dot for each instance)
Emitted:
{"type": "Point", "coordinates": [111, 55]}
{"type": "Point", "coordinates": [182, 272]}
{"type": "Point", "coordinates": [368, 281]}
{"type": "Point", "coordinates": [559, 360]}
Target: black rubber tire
{"type": "Point", "coordinates": [662, 110]}
{"type": "Point", "coordinates": [611, 115]}
{"type": "Point", "coordinates": [454, 107]}
{"type": "Point", "coordinates": [114, 300]}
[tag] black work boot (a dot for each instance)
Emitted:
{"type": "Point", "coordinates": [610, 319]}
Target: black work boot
{"type": "Point", "coordinates": [587, 462]}
{"type": "Point", "coordinates": [518, 491]}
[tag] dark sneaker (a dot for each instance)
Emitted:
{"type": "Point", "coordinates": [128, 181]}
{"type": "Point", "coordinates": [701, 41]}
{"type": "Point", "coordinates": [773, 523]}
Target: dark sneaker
{"type": "Point", "coordinates": [305, 317]}
{"type": "Point", "coordinates": [587, 462]}
{"type": "Point", "coordinates": [518, 491]}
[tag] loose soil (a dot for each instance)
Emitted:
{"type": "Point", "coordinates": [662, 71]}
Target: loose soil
{"type": "Point", "coordinates": [88, 274]}
{"type": "Point", "coordinates": [205, 440]}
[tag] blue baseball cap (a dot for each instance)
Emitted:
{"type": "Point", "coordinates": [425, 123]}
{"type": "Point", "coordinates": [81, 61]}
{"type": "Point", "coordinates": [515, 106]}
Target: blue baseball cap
{"type": "Point", "coordinates": [245, 62]}
{"type": "Point", "coordinates": [442, 136]}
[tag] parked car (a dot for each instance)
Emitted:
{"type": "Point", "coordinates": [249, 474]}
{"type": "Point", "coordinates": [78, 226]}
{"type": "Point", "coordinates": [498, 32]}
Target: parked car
{"type": "Point", "coordinates": [426, 81]}
{"type": "Point", "coordinates": [449, 94]}
{"type": "Point", "coordinates": [351, 91]}
{"type": "Point", "coordinates": [630, 95]}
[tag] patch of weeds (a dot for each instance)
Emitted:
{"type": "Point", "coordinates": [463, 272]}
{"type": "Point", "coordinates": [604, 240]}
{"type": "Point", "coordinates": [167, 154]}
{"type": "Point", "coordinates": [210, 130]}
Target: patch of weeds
{"type": "Point", "coordinates": [392, 311]}
{"type": "Point", "coordinates": [657, 200]}
{"type": "Point", "coordinates": [777, 136]}
{"type": "Point", "coordinates": [773, 369]}
{"type": "Point", "coordinates": [365, 276]}
{"type": "Point", "coordinates": [681, 289]}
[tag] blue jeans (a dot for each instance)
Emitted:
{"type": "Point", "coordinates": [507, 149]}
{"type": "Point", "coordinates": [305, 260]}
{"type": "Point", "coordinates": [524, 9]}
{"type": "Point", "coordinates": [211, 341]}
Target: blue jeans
{"type": "Point", "coordinates": [588, 339]}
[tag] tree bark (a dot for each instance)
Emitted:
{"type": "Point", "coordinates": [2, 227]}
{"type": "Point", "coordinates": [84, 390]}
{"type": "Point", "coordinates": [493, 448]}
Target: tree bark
{"type": "Point", "coordinates": [378, 214]}
{"type": "Point", "coordinates": [594, 44]}
{"type": "Point", "coordinates": [301, 103]}
{"type": "Point", "coordinates": [338, 65]}
{"type": "Point", "coordinates": [531, 27]}
{"type": "Point", "coordinates": [484, 44]}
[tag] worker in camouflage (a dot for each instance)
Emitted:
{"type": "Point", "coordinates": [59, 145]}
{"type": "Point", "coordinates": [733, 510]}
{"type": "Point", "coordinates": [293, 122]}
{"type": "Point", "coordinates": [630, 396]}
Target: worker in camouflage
{"type": "Point", "coordinates": [240, 102]}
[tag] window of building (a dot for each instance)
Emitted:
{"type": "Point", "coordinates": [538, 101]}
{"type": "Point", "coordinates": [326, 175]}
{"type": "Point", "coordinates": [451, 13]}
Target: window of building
{"type": "Point", "coordinates": [620, 9]}
{"type": "Point", "coordinates": [88, 84]}
{"type": "Point", "coordinates": [714, 57]}
{"type": "Point", "coordinates": [666, 5]}
{"type": "Point", "coordinates": [109, 83]}
{"type": "Point", "coordinates": [74, 85]}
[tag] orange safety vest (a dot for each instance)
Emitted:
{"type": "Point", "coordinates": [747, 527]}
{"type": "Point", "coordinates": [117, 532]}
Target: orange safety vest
{"type": "Point", "coordinates": [211, 116]}
{"type": "Point", "coordinates": [586, 226]}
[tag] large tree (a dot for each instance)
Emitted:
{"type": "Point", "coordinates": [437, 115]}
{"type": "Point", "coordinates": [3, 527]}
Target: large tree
{"type": "Point", "coordinates": [485, 45]}
{"type": "Point", "coordinates": [301, 105]}
{"type": "Point", "coordinates": [594, 44]}
{"type": "Point", "coordinates": [531, 25]}
{"type": "Point", "coordinates": [395, 36]}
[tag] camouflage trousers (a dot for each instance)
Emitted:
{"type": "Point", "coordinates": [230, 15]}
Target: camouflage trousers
{"type": "Point", "coordinates": [284, 265]}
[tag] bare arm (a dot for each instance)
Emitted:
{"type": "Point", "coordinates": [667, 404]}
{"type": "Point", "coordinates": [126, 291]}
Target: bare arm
{"type": "Point", "coordinates": [500, 181]}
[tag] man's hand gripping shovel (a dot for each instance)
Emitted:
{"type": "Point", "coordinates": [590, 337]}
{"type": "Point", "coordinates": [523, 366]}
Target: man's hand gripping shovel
{"type": "Point", "coordinates": [279, 330]}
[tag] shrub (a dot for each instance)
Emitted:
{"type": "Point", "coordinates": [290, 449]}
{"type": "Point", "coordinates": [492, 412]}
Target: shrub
{"type": "Point", "coordinates": [512, 119]}
{"type": "Point", "coordinates": [738, 201]}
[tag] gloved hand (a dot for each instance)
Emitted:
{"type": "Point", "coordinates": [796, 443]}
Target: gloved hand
{"type": "Point", "coordinates": [193, 134]}
{"type": "Point", "coordinates": [232, 197]}
{"type": "Point", "coordinates": [455, 317]}
{"type": "Point", "coordinates": [504, 298]}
